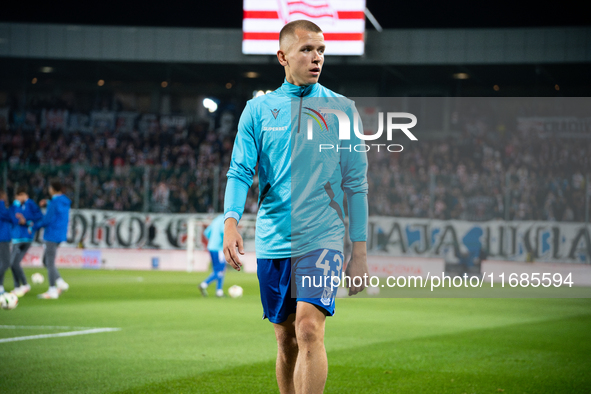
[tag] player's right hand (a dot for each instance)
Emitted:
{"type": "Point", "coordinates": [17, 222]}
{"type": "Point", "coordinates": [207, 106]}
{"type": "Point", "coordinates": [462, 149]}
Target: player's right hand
{"type": "Point", "coordinates": [232, 242]}
{"type": "Point", "coordinates": [21, 218]}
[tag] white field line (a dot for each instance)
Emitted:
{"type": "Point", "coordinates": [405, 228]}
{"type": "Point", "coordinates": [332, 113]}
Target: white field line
{"type": "Point", "coordinates": [7, 327]}
{"type": "Point", "coordinates": [60, 334]}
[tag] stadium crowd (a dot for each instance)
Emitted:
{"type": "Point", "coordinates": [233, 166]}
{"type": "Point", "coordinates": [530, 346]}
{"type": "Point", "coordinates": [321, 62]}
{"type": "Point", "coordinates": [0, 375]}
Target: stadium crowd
{"type": "Point", "coordinates": [179, 165]}
{"type": "Point", "coordinates": [471, 177]}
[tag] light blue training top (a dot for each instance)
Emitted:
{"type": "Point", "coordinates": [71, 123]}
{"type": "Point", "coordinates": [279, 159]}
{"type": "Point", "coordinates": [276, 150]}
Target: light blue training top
{"type": "Point", "coordinates": [301, 188]}
{"type": "Point", "coordinates": [215, 234]}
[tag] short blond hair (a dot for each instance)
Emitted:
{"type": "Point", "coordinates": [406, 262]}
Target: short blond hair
{"type": "Point", "coordinates": [290, 28]}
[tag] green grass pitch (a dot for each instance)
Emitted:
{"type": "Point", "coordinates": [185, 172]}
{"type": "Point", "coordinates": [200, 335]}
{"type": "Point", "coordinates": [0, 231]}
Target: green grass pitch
{"type": "Point", "coordinates": [174, 341]}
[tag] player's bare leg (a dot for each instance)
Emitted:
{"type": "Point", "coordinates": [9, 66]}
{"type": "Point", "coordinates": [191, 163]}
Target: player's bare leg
{"type": "Point", "coordinates": [312, 366]}
{"type": "Point", "coordinates": [287, 354]}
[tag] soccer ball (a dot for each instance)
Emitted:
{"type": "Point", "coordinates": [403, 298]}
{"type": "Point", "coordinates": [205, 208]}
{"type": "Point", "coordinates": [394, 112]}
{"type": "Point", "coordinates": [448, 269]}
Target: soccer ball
{"type": "Point", "coordinates": [373, 291]}
{"type": "Point", "coordinates": [37, 278]}
{"type": "Point", "coordinates": [235, 291]}
{"type": "Point", "coordinates": [342, 292]}
{"type": "Point", "coordinates": [8, 301]}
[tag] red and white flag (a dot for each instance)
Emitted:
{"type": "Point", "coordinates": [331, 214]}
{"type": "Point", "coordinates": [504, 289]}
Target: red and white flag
{"type": "Point", "coordinates": [342, 21]}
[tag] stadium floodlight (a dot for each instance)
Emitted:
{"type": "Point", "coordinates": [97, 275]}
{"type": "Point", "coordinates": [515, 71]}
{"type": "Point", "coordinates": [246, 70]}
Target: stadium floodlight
{"type": "Point", "coordinates": [461, 76]}
{"type": "Point", "coordinates": [46, 69]}
{"type": "Point", "coordinates": [211, 105]}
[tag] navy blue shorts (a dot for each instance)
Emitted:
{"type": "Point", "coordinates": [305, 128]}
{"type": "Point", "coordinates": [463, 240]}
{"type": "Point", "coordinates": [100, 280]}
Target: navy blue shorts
{"type": "Point", "coordinates": [284, 282]}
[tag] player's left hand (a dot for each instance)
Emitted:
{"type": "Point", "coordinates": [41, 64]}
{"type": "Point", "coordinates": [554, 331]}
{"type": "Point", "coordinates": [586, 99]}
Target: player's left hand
{"type": "Point", "coordinates": [357, 266]}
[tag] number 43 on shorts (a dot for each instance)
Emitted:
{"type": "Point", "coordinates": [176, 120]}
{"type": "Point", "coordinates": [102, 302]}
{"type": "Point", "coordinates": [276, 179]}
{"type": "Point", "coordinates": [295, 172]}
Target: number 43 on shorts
{"type": "Point", "coordinates": [324, 263]}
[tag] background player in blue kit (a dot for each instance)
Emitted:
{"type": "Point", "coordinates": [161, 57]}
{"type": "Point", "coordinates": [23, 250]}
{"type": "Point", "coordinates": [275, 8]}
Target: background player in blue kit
{"type": "Point", "coordinates": [215, 236]}
{"type": "Point", "coordinates": [22, 237]}
{"type": "Point", "coordinates": [55, 221]}
{"type": "Point", "coordinates": [265, 135]}
{"type": "Point", "coordinates": [7, 220]}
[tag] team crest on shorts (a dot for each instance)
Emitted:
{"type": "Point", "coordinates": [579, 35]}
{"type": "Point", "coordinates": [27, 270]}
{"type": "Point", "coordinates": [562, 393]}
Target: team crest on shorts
{"type": "Point", "coordinates": [326, 296]}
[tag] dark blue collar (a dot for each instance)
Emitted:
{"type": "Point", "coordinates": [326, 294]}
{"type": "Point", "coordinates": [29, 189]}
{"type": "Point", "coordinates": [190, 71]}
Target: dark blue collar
{"type": "Point", "coordinates": [292, 90]}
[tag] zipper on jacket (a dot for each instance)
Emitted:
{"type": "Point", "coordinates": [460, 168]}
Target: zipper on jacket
{"type": "Point", "coordinates": [300, 113]}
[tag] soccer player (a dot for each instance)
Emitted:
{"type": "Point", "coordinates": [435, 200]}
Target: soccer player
{"type": "Point", "coordinates": [55, 222]}
{"type": "Point", "coordinates": [22, 237]}
{"type": "Point", "coordinates": [6, 222]}
{"type": "Point", "coordinates": [215, 236]}
{"type": "Point", "coordinates": [298, 322]}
